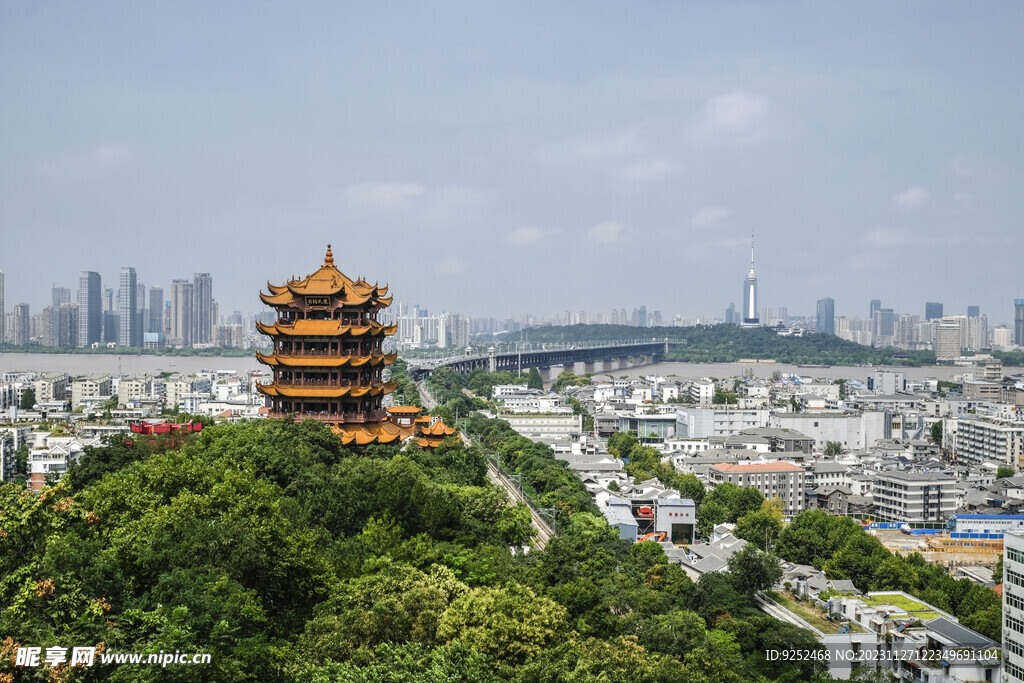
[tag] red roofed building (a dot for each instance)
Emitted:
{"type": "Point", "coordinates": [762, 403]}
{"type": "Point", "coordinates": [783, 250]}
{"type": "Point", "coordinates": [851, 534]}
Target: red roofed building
{"type": "Point", "coordinates": [773, 479]}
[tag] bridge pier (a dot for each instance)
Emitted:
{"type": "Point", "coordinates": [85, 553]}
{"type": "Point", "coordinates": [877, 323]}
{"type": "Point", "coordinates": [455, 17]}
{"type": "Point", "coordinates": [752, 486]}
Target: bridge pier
{"type": "Point", "coordinates": [623, 362]}
{"type": "Point", "coordinates": [588, 368]}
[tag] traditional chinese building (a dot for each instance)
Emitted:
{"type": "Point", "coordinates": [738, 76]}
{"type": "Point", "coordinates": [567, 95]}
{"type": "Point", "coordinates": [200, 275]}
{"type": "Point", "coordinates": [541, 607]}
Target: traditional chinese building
{"type": "Point", "coordinates": [328, 360]}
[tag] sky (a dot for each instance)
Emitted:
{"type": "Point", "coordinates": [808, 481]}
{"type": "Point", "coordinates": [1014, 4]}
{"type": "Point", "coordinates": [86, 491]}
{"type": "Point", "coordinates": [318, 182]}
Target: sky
{"type": "Point", "coordinates": [503, 158]}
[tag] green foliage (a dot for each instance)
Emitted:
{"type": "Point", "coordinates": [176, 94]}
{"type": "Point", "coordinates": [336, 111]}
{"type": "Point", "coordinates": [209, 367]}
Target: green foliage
{"type": "Point", "coordinates": [763, 526]}
{"type": "Point", "coordinates": [726, 503]}
{"type": "Point", "coordinates": [752, 570]}
{"type": "Point", "coordinates": [288, 558]}
{"type": "Point", "coordinates": [534, 380]}
{"type": "Point", "coordinates": [833, 448]}
{"type": "Point", "coordinates": [936, 432]}
{"type": "Point", "coordinates": [1004, 471]}
{"type": "Point", "coordinates": [729, 343]}
{"type": "Point", "coordinates": [28, 399]}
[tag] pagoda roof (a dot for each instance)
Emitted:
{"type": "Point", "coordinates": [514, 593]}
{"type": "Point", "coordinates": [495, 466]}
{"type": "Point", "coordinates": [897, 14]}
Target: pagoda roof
{"type": "Point", "coordinates": [405, 410]}
{"type": "Point", "coordinates": [325, 392]}
{"type": "Point", "coordinates": [300, 361]}
{"type": "Point", "coordinates": [389, 432]}
{"type": "Point", "coordinates": [326, 281]}
{"type": "Point", "coordinates": [324, 328]}
{"type": "Point", "coordinates": [363, 435]}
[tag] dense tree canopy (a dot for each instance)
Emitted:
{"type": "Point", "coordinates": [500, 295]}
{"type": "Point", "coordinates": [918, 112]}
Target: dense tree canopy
{"type": "Point", "coordinates": [288, 558]}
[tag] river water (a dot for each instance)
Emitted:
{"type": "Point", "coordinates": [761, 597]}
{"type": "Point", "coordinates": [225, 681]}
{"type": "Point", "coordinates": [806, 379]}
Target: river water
{"type": "Point", "coordinates": [85, 364]}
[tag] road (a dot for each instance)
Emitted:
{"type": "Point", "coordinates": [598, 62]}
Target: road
{"type": "Point", "coordinates": [543, 530]}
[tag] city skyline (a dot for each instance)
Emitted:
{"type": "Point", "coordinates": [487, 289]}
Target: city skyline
{"type": "Point", "coordinates": [884, 168]}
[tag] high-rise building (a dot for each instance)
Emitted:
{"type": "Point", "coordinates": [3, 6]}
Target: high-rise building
{"type": "Point", "coordinates": [156, 309]}
{"type": "Point", "coordinates": [883, 331]}
{"type": "Point", "coordinates": [108, 301]}
{"type": "Point", "coordinates": [874, 307]}
{"type": "Point", "coordinates": [750, 318]}
{"type": "Point", "coordinates": [1013, 606]}
{"type": "Point", "coordinates": [129, 333]}
{"type": "Point", "coordinates": [784, 315]}
{"type": "Point", "coordinates": [973, 311]}
{"type": "Point", "coordinates": [907, 331]}
{"type": "Point", "coordinates": [933, 310]}
{"type": "Point", "coordinates": [90, 314]}
{"type": "Point", "coordinates": [202, 309]}
{"type": "Point", "coordinates": [977, 332]}
{"type": "Point", "coordinates": [3, 316]}
{"type": "Point", "coordinates": [947, 340]}
{"type": "Point", "coordinates": [730, 314]}
{"type": "Point", "coordinates": [181, 313]}
{"type": "Point", "coordinates": [60, 296]}
{"type": "Point", "coordinates": [21, 324]}
{"type": "Point", "coordinates": [1018, 322]}
{"type": "Point", "coordinates": [826, 322]}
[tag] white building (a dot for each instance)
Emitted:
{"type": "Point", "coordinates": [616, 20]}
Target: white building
{"type": "Point", "coordinates": [701, 422]}
{"type": "Point", "coordinates": [1013, 607]}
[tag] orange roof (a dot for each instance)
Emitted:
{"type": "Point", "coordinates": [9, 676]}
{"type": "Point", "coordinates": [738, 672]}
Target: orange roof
{"type": "Point", "coordinates": [405, 410]}
{"type": "Point", "coordinates": [998, 588]}
{"type": "Point", "coordinates": [325, 392]}
{"type": "Point", "coordinates": [324, 328]}
{"type": "Point", "coordinates": [439, 428]}
{"type": "Point", "coordinates": [759, 467]}
{"type": "Point", "coordinates": [292, 360]}
{"type": "Point", "coordinates": [326, 281]}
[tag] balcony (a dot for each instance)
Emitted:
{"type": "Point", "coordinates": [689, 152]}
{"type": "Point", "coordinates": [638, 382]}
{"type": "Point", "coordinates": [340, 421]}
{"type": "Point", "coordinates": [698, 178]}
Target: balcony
{"type": "Point", "coordinates": [348, 418]}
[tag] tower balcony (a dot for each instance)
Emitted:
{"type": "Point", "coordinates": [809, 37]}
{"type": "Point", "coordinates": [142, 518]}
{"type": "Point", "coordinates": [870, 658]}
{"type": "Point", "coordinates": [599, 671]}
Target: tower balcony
{"type": "Point", "coordinates": [359, 417]}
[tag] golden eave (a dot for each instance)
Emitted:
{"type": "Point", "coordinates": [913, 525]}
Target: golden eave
{"type": "Point", "coordinates": [324, 328]}
{"type": "Point", "coordinates": [324, 392]}
{"type": "Point", "coordinates": [298, 361]}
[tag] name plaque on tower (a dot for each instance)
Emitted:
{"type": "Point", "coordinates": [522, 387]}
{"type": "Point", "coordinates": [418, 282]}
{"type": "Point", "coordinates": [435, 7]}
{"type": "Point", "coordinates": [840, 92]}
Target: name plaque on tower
{"type": "Point", "coordinates": [318, 301]}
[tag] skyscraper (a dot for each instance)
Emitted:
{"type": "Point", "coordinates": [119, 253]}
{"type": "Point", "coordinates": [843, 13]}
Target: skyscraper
{"type": "Point", "coordinates": [181, 312]}
{"type": "Point", "coordinates": [933, 310]}
{"type": "Point", "coordinates": [90, 313]}
{"type": "Point", "coordinates": [730, 314]}
{"type": "Point", "coordinates": [60, 296]}
{"type": "Point", "coordinates": [128, 332]}
{"type": "Point", "coordinates": [3, 316]}
{"type": "Point", "coordinates": [874, 307]}
{"type": "Point", "coordinates": [202, 309]}
{"type": "Point", "coordinates": [21, 324]}
{"type": "Point", "coordinates": [156, 309]}
{"type": "Point", "coordinates": [750, 318]}
{"type": "Point", "coordinates": [973, 311]}
{"type": "Point", "coordinates": [826, 323]}
{"type": "Point", "coordinates": [1018, 321]}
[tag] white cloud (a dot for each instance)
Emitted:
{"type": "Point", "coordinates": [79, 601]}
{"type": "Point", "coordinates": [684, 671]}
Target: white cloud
{"type": "Point", "coordinates": [893, 237]}
{"type": "Point", "coordinates": [96, 163]}
{"type": "Point", "coordinates": [735, 118]}
{"type": "Point", "coordinates": [527, 235]}
{"type": "Point", "coordinates": [382, 196]}
{"type": "Point", "coordinates": [647, 171]}
{"type": "Point", "coordinates": [450, 265]}
{"type": "Point", "coordinates": [912, 198]}
{"type": "Point", "coordinates": [709, 215]}
{"type": "Point", "coordinates": [606, 233]}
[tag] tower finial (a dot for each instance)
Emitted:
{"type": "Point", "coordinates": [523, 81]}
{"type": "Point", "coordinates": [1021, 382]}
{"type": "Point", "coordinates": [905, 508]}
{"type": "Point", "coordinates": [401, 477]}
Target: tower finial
{"type": "Point", "coordinates": [329, 258]}
{"type": "Point", "coordinates": [751, 249]}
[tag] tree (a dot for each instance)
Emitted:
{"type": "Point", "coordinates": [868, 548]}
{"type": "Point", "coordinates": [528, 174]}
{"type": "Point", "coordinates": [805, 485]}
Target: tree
{"type": "Point", "coordinates": [28, 399]}
{"type": "Point", "coordinates": [763, 526]}
{"type": "Point", "coordinates": [621, 444]}
{"type": "Point", "coordinates": [833, 448]}
{"type": "Point", "coordinates": [1004, 471]}
{"type": "Point", "coordinates": [752, 570]}
{"type": "Point", "coordinates": [534, 380]}
{"type": "Point", "coordinates": [937, 432]}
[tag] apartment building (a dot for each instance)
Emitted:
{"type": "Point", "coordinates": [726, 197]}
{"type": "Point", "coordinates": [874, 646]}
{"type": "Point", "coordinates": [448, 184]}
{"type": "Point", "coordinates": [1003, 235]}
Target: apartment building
{"type": "Point", "coordinates": [773, 479]}
{"type": "Point", "coordinates": [914, 496]}
{"type": "Point", "coordinates": [980, 441]}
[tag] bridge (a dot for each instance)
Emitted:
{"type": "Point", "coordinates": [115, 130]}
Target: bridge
{"type": "Point", "coordinates": [610, 356]}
